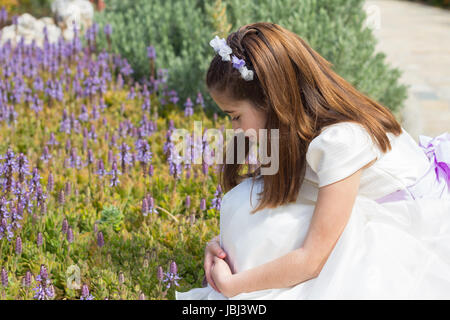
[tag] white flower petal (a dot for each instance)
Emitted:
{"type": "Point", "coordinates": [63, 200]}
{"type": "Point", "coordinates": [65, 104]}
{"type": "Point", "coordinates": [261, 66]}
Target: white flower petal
{"type": "Point", "coordinates": [246, 74]}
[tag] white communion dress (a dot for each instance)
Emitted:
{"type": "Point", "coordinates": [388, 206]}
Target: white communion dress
{"type": "Point", "coordinates": [396, 244]}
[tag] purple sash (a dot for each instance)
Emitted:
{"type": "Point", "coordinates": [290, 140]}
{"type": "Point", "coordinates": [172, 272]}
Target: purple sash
{"type": "Point", "coordinates": [431, 184]}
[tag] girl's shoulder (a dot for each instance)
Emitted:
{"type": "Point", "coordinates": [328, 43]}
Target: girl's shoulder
{"type": "Point", "coordinates": [342, 127]}
{"type": "Point", "coordinates": [348, 135]}
{"type": "Point", "coordinates": [339, 150]}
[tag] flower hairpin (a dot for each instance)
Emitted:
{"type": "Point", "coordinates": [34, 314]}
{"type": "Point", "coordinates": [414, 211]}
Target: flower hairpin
{"type": "Point", "coordinates": [220, 46]}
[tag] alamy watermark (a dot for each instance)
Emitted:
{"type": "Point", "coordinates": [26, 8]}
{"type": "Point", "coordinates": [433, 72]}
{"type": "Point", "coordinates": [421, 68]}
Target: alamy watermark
{"type": "Point", "coordinates": [190, 146]}
{"type": "Point", "coordinates": [73, 277]}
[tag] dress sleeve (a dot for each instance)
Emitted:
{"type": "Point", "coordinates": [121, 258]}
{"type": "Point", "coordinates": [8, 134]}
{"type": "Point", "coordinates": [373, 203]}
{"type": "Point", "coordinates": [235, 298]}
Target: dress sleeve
{"type": "Point", "coordinates": [339, 151]}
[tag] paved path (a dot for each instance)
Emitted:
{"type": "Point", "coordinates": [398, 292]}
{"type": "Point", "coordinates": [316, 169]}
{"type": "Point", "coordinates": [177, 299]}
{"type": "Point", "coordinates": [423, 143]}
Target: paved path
{"type": "Point", "coordinates": [416, 39]}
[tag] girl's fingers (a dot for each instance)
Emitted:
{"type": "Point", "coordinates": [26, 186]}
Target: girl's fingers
{"type": "Point", "coordinates": [208, 265]}
{"type": "Point", "coordinates": [218, 251]}
{"type": "Point", "coordinates": [210, 280]}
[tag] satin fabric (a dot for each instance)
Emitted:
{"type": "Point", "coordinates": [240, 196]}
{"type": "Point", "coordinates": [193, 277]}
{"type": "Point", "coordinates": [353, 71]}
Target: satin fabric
{"type": "Point", "coordinates": [392, 250]}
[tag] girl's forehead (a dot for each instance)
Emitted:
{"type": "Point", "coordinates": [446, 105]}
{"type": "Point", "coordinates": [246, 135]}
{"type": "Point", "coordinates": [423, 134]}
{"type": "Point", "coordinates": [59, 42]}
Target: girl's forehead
{"type": "Point", "coordinates": [227, 104]}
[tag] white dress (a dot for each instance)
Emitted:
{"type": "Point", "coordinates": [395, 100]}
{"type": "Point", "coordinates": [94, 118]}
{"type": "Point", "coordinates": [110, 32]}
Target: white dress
{"type": "Point", "coordinates": [391, 248]}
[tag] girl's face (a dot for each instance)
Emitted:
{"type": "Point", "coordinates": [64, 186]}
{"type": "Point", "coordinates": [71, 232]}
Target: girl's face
{"type": "Point", "coordinates": [243, 114]}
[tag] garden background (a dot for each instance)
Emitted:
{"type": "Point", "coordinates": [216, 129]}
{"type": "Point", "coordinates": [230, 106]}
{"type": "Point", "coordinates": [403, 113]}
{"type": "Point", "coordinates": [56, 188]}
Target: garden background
{"type": "Point", "coordinates": [92, 204]}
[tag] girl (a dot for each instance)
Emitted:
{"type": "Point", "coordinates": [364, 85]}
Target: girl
{"type": "Point", "coordinates": [356, 210]}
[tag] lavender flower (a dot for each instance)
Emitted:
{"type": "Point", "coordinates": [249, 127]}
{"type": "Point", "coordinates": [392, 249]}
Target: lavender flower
{"type": "Point", "coordinates": [151, 206]}
{"type": "Point", "coordinates": [27, 279]}
{"type": "Point", "coordinates": [8, 168]}
{"type": "Point", "coordinates": [151, 53]}
{"type": "Point", "coordinates": [100, 240]}
{"type": "Point", "coordinates": [200, 100]}
{"type": "Point", "coordinates": [203, 204]}
{"type": "Point", "coordinates": [172, 276]}
{"type": "Point", "coordinates": [217, 198]}
{"type": "Point", "coordinates": [4, 277]}
{"type": "Point", "coordinates": [18, 245]}
{"type": "Point", "coordinates": [150, 170]}
{"type": "Point", "coordinates": [45, 155]}
{"type": "Point", "coordinates": [92, 133]}
{"type": "Point", "coordinates": [144, 154]}
{"type": "Point", "coordinates": [22, 167]}
{"type": "Point", "coordinates": [65, 226]}
{"type": "Point", "coordinates": [84, 116]}
{"type": "Point", "coordinates": [124, 156]}
{"type": "Point", "coordinates": [68, 188]}
{"type": "Point", "coordinates": [61, 197]}
{"type": "Point", "coordinates": [188, 111]}
{"type": "Point", "coordinates": [188, 201]}
{"type": "Point", "coordinates": [160, 273]}
{"type": "Point", "coordinates": [75, 159]}
{"type": "Point", "coordinates": [90, 157]}
{"type": "Point", "coordinates": [145, 207]}
{"type": "Point", "coordinates": [107, 29]}
{"type": "Point", "coordinates": [85, 295]}
{"type": "Point", "coordinates": [114, 175]}
{"type": "Point", "coordinates": [52, 140]}
{"type": "Point", "coordinates": [100, 168]}
{"type": "Point", "coordinates": [39, 239]}
{"type": "Point", "coordinates": [50, 182]}
{"type": "Point", "coordinates": [3, 16]}
{"type": "Point", "coordinates": [44, 289]}
{"type": "Point", "coordinates": [69, 235]}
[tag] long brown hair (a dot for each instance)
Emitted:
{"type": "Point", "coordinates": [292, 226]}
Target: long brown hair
{"type": "Point", "coordinates": [300, 94]}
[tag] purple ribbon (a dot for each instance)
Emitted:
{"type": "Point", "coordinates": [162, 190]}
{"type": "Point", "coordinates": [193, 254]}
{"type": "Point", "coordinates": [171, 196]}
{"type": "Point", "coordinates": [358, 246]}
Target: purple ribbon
{"type": "Point", "coordinates": [437, 150]}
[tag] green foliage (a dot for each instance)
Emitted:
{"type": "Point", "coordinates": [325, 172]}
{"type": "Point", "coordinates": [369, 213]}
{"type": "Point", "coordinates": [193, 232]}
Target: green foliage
{"type": "Point", "coordinates": [134, 244]}
{"type": "Point", "coordinates": [37, 8]}
{"type": "Point", "coordinates": [175, 28]}
{"type": "Point", "coordinates": [112, 217]}
{"type": "Point", "coordinates": [439, 3]}
{"type": "Point", "coordinates": [181, 30]}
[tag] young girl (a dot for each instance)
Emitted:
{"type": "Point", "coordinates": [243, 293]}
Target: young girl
{"type": "Point", "coordinates": [357, 209]}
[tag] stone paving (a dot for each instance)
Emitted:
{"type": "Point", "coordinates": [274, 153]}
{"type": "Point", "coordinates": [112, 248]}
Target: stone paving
{"type": "Point", "coordinates": [416, 39]}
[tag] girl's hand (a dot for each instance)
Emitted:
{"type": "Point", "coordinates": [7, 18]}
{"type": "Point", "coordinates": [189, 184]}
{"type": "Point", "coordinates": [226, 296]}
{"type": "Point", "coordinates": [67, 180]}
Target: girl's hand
{"type": "Point", "coordinates": [212, 250]}
{"type": "Point", "coordinates": [222, 276]}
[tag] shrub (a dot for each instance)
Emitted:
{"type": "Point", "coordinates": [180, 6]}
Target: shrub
{"type": "Point", "coordinates": [181, 30]}
{"type": "Point", "coordinates": [439, 3]}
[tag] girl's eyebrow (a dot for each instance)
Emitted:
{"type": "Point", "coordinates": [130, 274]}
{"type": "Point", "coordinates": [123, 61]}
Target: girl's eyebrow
{"type": "Point", "coordinates": [228, 111]}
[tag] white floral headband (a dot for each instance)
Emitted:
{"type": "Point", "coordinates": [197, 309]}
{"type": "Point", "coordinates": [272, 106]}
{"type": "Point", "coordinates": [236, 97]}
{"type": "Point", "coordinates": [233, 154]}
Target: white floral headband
{"type": "Point", "coordinates": [220, 46]}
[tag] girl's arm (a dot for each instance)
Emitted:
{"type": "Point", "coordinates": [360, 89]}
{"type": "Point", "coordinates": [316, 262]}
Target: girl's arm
{"type": "Point", "coordinates": [333, 208]}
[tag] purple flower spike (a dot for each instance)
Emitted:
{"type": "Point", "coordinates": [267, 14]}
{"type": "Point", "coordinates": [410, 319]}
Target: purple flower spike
{"type": "Point", "coordinates": [18, 245]}
{"type": "Point", "coordinates": [203, 204]}
{"type": "Point", "coordinates": [4, 277]}
{"type": "Point", "coordinates": [145, 207]}
{"type": "Point", "coordinates": [200, 99]}
{"type": "Point", "coordinates": [65, 226]}
{"type": "Point", "coordinates": [107, 30]}
{"type": "Point", "coordinates": [69, 235]}
{"type": "Point", "coordinates": [44, 289]}
{"type": "Point", "coordinates": [85, 295]}
{"type": "Point", "coordinates": [172, 276]}
{"type": "Point", "coordinates": [3, 15]}
{"type": "Point", "coordinates": [151, 53]}
{"type": "Point", "coordinates": [27, 279]}
{"type": "Point", "coordinates": [217, 198]}
{"type": "Point", "coordinates": [39, 239]}
{"type": "Point", "coordinates": [160, 273]}
{"type": "Point", "coordinates": [173, 267]}
{"type": "Point", "coordinates": [100, 240]}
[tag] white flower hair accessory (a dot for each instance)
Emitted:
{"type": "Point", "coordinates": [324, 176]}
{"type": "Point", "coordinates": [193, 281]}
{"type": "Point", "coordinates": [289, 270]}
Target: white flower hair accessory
{"type": "Point", "coordinates": [220, 46]}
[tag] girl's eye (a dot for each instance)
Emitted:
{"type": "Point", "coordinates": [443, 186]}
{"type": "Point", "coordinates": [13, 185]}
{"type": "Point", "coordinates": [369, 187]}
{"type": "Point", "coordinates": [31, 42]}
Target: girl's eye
{"type": "Point", "coordinates": [233, 119]}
